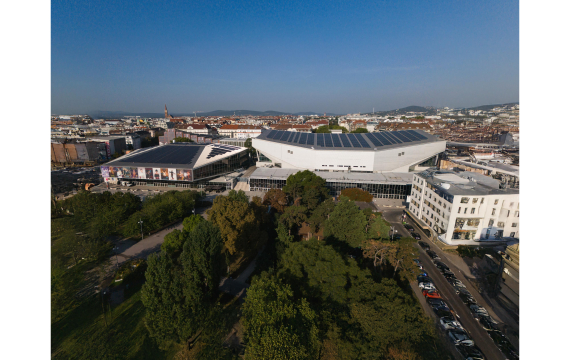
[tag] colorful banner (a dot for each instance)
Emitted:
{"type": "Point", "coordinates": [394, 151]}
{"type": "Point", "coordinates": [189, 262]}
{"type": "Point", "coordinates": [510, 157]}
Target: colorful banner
{"type": "Point", "coordinates": [142, 174]}
{"type": "Point", "coordinates": [126, 172]}
{"type": "Point", "coordinates": [112, 171]}
{"type": "Point", "coordinates": [163, 174]}
{"type": "Point", "coordinates": [105, 171]}
{"type": "Point", "coordinates": [134, 173]}
{"type": "Point", "coordinates": [171, 174]}
{"type": "Point", "coordinates": [156, 173]}
{"type": "Point", "coordinates": [148, 173]}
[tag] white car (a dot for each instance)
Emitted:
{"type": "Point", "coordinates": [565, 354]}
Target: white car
{"type": "Point", "coordinates": [460, 337]}
{"type": "Point", "coordinates": [448, 323]}
{"type": "Point", "coordinates": [426, 286]}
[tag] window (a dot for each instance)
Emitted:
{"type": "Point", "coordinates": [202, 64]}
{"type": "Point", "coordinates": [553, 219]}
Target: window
{"type": "Point", "coordinates": [459, 211]}
{"type": "Point", "coordinates": [515, 224]}
{"type": "Point", "coordinates": [516, 214]}
{"type": "Point", "coordinates": [512, 204]}
{"type": "Point", "coordinates": [440, 202]}
{"type": "Point", "coordinates": [512, 234]}
{"type": "Point", "coordinates": [464, 200]}
{"type": "Point", "coordinates": [508, 213]}
{"type": "Point", "coordinates": [402, 153]}
{"type": "Point", "coordinates": [430, 196]}
{"type": "Point", "coordinates": [444, 206]}
{"type": "Point", "coordinates": [422, 182]}
{"type": "Point", "coordinates": [399, 154]}
{"type": "Point", "coordinates": [465, 211]}
{"type": "Point", "coordinates": [488, 233]}
{"type": "Point", "coordinates": [491, 222]}
{"type": "Point", "coordinates": [482, 201]}
{"type": "Point", "coordinates": [496, 201]}
{"type": "Point", "coordinates": [331, 165]}
{"type": "Point", "coordinates": [472, 210]}
{"type": "Point", "coordinates": [475, 200]}
{"type": "Point", "coordinates": [493, 213]}
{"type": "Point", "coordinates": [501, 224]}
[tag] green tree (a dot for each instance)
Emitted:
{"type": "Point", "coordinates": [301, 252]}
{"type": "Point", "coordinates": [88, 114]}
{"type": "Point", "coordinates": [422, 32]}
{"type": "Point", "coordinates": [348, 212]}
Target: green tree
{"type": "Point", "coordinates": [308, 187]}
{"type": "Point", "coordinates": [379, 228]}
{"type": "Point", "coordinates": [238, 196]}
{"type": "Point", "coordinates": [202, 259]}
{"type": "Point", "coordinates": [359, 131]}
{"type": "Point", "coordinates": [293, 217]}
{"type": "Point", "coordinates": [276, 326]}
{"type": "Point", "coordinates": [356, 194]}
{"type": "Point", "coordinates": [190, 222]}
{"type": "Point", "coordinates": [182, 139]}
{"type": "Point", "coordinates": [277, 199]}
{"type": "Point", "coordinates": [320, 215]}
{"type": "Point", "coordinates": [236, 221]}
{"type": "Point", "coordinates": [322, 129]}
{"type": "Point", "coordinates": [346, 223]}
{"type": "Point", "coordinates": [336, 127]}
{"type": "Point", "coordinates": [173, 242]}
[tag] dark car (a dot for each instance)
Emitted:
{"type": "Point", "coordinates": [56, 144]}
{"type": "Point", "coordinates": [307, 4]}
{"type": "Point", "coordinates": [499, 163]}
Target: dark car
{"type": "Point", "coordinates": [470, 352]}
{"type": "Point", "coordinates": [416, 236]}
{"type": "Point", "coordinates": [432, 254]}
{"type": "Point", "coordinates": [449, 276]}
{"type": "Point", "coordinates": [488, 324]}
{"type": "Point", "coordinates": [460, 337]}
{"type": "Point", "coordinates": [467, 299]}
{"type": "Point", "coordinates": [508, 349]}
{"type": "Point", "coordinates": [448, 273]}
{"type": "Point", "coordinates": [442, 311]}
{"type": "Point", "coordinates": [409, 227]}
{"type": "Point", "coordinates": [442, 264]}
{"type": "Point", "coordinates": [424, 245]}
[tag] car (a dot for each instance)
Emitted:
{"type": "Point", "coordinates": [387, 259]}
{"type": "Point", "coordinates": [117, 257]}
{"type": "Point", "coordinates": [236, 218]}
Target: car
{"type": "Point", "coordinates": [409, 227]}
{"type": "Point", "coordinates": [508, 349]}
{"type": "Point", "coordinates": [423, 245]}
{"type": "Point", "coordinates": [478, 310]}
{"type": "Point", "coordinates": [423, 272]}
{"type": "Point", "coordinates": [416, 236]}
{"type": "Point", "coordinates": [467, 299]}
{"type": "Point", "coordinates": [470, 352]}
{"type": "Point", "coordinates": [432, 254]}
{"type": "Point", "coordinates": [432, 293]}
{"type": "Point", "coordinates": [442, 264]}
{"type": "Point", "coordinates": [488, 323]}
{"type": "Point", "coordinates": [426, 286]}
{"type": "Point", "coordinates": [460, 290]}
{"type": "Point", "coordinates": [458, 284]}
{"type": "Point", "coordinates": [442, 311]}
{"type": "Point", "coordinates": [448, 273]}
{"type": "Point", "coordinates": [459, 336]}
{"type": "Point", "coordinates": [449, 322]}
{"type": "Point", "coordinates": [436, 303]}
{"type": "Point", "coordinates": [422, 278]}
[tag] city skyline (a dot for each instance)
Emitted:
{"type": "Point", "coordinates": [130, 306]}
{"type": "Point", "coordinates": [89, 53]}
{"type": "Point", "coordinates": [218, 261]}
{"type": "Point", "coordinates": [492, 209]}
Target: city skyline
{"type": "Point", "coordinates": [288, 57]}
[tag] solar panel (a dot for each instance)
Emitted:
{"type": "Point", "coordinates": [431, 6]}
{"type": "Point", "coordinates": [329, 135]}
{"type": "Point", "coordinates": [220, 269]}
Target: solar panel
{"type": "Point", "coordinates": [169, 154]}
{"type": "Point", "coordinates": [284, 135]}
{"type": "Point", "coordinates": [328, 140]}
{"type": "Point", "coordinates": [373, 139]}
{"type": "Point", "coordinates": [290, 137]}
{"type": "Point", "coordinates": [345, 140]}
{"type": "Point", "coordinates": [272, 134]}
{"type": "Point", "coordinates": [392, 137]}
{"type": "Point", "coordinates": [383, 138]}
{"type": "Point", "coordinates": [311, 139]}
{"type": "Point", "coordinates": [296, 138]}
{"type": "Point", "coordinates": [321, 140]}
{"type": "Point", "coordinates": [354, 140]}
{"type": "Point", "coordinates": [303, 139]}
{"type": "Point", "coordinates": [400, 136]}
{"type": "Point", "coordinates": [336, 140]}
{"type": "Point", "coordinates": [418, 134]}
{"type": "Point", "coordinates": [362, 140]}
{"type": "Point", "coordinates": [411, 135]}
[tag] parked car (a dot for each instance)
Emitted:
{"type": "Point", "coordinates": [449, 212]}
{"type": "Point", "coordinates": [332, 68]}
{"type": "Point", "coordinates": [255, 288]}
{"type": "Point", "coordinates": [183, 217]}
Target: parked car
{"type": "Point", "coordinates": [426, 286]}
{"type": "Point", "coordinates": [488, 323]}
{"type": "Point", "coordinates": [508, 349]}
{"type": "Point", "coordinates": [467, 299]}
{"type": "Point", "coordinates": [461, 290]}
{"type": "Point", "coordinates": [432, 254]}
{"type": "Point", "coordinates": [437, 303]}
{"type": "Point", "coordinates": [422, 278]}
{"type": "Point", "coordinates": [441, 264]}
{"type": "Point", "coordinates": [409, 227]}
{"type": "Point", "coordinates": [449, 322]}
{"type": "Point", "coordinates": [460, 337]}
{"type": "Point", "coordinates": [478, 310]}
{"type": "Point", "coordinates": [470, 352]}
{"type": "Point", "coordinates": [442, 311]}
{"type": "Point", "coordinates": [424, 245]}
{"type": "Point", "coordinates": [448, 273]}
{"type": "Point", "coordinates": [416, 236]}
{"type": "Point", "coordinates": [432, 293]}
{"type": "Point", "coordinates": [423, 272]}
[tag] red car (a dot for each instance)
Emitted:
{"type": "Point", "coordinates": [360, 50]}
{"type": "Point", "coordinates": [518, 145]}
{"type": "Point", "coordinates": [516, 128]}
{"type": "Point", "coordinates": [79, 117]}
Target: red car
{"type": "Point", "coordinates": [432, 294]}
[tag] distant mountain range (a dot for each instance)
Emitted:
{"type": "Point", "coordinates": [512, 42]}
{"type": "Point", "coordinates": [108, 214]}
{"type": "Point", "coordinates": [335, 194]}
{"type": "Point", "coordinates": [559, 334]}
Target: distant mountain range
{"type": "Point", "coordinates": [118, 114]}
{"type": "Point", "coordinates": [428, 110]}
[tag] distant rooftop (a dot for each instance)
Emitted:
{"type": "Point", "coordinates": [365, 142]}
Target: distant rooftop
{"type": "Point", "coordinates": [464, 183]}
{"type": "Point", "coordinates": [356, 177]}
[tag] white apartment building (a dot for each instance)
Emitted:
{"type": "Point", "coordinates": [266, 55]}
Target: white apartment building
{"type": "Point", "coordinates": [240, 131]}
{"type": "Point", "coordinates": [464, 208]}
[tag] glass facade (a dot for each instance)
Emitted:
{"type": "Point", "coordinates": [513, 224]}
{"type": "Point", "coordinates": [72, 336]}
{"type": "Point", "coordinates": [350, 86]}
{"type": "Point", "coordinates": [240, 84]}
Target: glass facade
{"type": "Point", "coordinates": [222, 166]}
{"type": "Point", "coordinates": [383, 191]}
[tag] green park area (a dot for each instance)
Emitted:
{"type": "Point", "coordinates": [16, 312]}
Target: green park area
{"type": "Point", "coordinates": [329, 284]}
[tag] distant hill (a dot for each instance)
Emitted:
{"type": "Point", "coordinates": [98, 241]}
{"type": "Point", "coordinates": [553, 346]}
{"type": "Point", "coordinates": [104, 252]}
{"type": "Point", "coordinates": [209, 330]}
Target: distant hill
{"type": "Point", "coordinates": [118, 114]}
{"type": "Point", "coordinates": [490, 107]}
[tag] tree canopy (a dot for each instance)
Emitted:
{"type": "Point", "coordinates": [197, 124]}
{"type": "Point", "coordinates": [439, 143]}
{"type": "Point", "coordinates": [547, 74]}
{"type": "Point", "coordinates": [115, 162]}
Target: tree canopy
{"type": "Point", "coordinates": [277, 199]}
{"type": "Point", "coordinates": [359, 131]}
{"type": "Point", "coordinates": [307, 187]}
{"type": "Point", "coordinates": [356, 194]}
{"type": "Point", "coordinates": [346, 223]}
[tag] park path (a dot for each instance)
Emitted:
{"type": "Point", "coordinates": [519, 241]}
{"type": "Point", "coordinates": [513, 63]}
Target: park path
{"type": "Point", "coordinates": [237, 286]}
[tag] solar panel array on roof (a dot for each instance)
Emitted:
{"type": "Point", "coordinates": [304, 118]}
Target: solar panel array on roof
{"type": "Point", "coordinates": [417, 134]}
{"type": "Point", "coordinates": [354, 141]}
{"type": "Point", "coordinates": [345, 141]}
{"type": "Point", "coordinates": [373, 139]}
{"type": "Point", "coordinates": [272, 134]}
{"type": "Point", "coordinates": [220, 150]}
{"type": "Point", "coordinates": [336, 140]}
{"type": "Point", "coordinates": [362, 140]}
{"type": "Point", "coordinates": [303, 139]}
{"type": "Point", "coordinates": [168, 154]}
{"type": "Point", "coordinates": [321, 140]}
{"type": "Point", "coordinates": [328, 140]}
{"type": "Point", "coordinates": [311, 139]}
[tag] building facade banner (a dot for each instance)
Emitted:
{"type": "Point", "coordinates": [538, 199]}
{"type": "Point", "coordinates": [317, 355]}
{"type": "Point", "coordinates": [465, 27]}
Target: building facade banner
{"type": "Point", "coordinates": [183, 175]}
{"type": "Point", "coordinates": [156, 173]}
{"type": "Point", "coordinates": [171, 174]}
{"type": "Point", "coordinates": [142, 174]}
{"type": "Point", "coordinates": [112, 171]}
{"type": "Point", "coordinates": [134, 173]}
{"type": "Point", "coordinates": [163, 174]}
{"type": "Point", "coordinates": [105, 171]}
{"type": "Point", "coordinates": [148, 173]}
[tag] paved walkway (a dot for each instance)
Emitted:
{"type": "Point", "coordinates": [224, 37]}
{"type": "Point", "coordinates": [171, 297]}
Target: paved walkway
{"type": "Point", "coordinates": [237, 286]}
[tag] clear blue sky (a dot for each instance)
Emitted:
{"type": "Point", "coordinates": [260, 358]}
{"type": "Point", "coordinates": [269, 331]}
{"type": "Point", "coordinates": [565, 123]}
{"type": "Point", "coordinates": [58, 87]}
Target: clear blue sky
{"type": "Point", "coordinates": [324, 56]}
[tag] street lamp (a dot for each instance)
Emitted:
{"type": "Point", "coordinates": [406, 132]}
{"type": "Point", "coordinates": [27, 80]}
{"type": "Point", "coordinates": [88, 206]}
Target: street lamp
{"type": "Point", "coordinates": [142, 234]}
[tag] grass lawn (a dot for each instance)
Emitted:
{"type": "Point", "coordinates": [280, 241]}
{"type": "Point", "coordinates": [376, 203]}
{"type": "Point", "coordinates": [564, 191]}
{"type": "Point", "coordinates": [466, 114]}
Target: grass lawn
{"type": "Point", "coordinates": [82, 334]}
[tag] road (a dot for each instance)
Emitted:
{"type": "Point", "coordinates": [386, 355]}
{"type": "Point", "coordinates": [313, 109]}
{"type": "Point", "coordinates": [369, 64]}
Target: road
{"type": "Point", "coordinates": [477, 333]}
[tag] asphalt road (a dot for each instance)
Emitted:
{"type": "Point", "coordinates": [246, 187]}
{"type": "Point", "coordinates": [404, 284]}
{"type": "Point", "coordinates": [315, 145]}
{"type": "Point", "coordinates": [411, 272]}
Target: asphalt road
{"type": "Point", "coordinates": [476, 331]}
